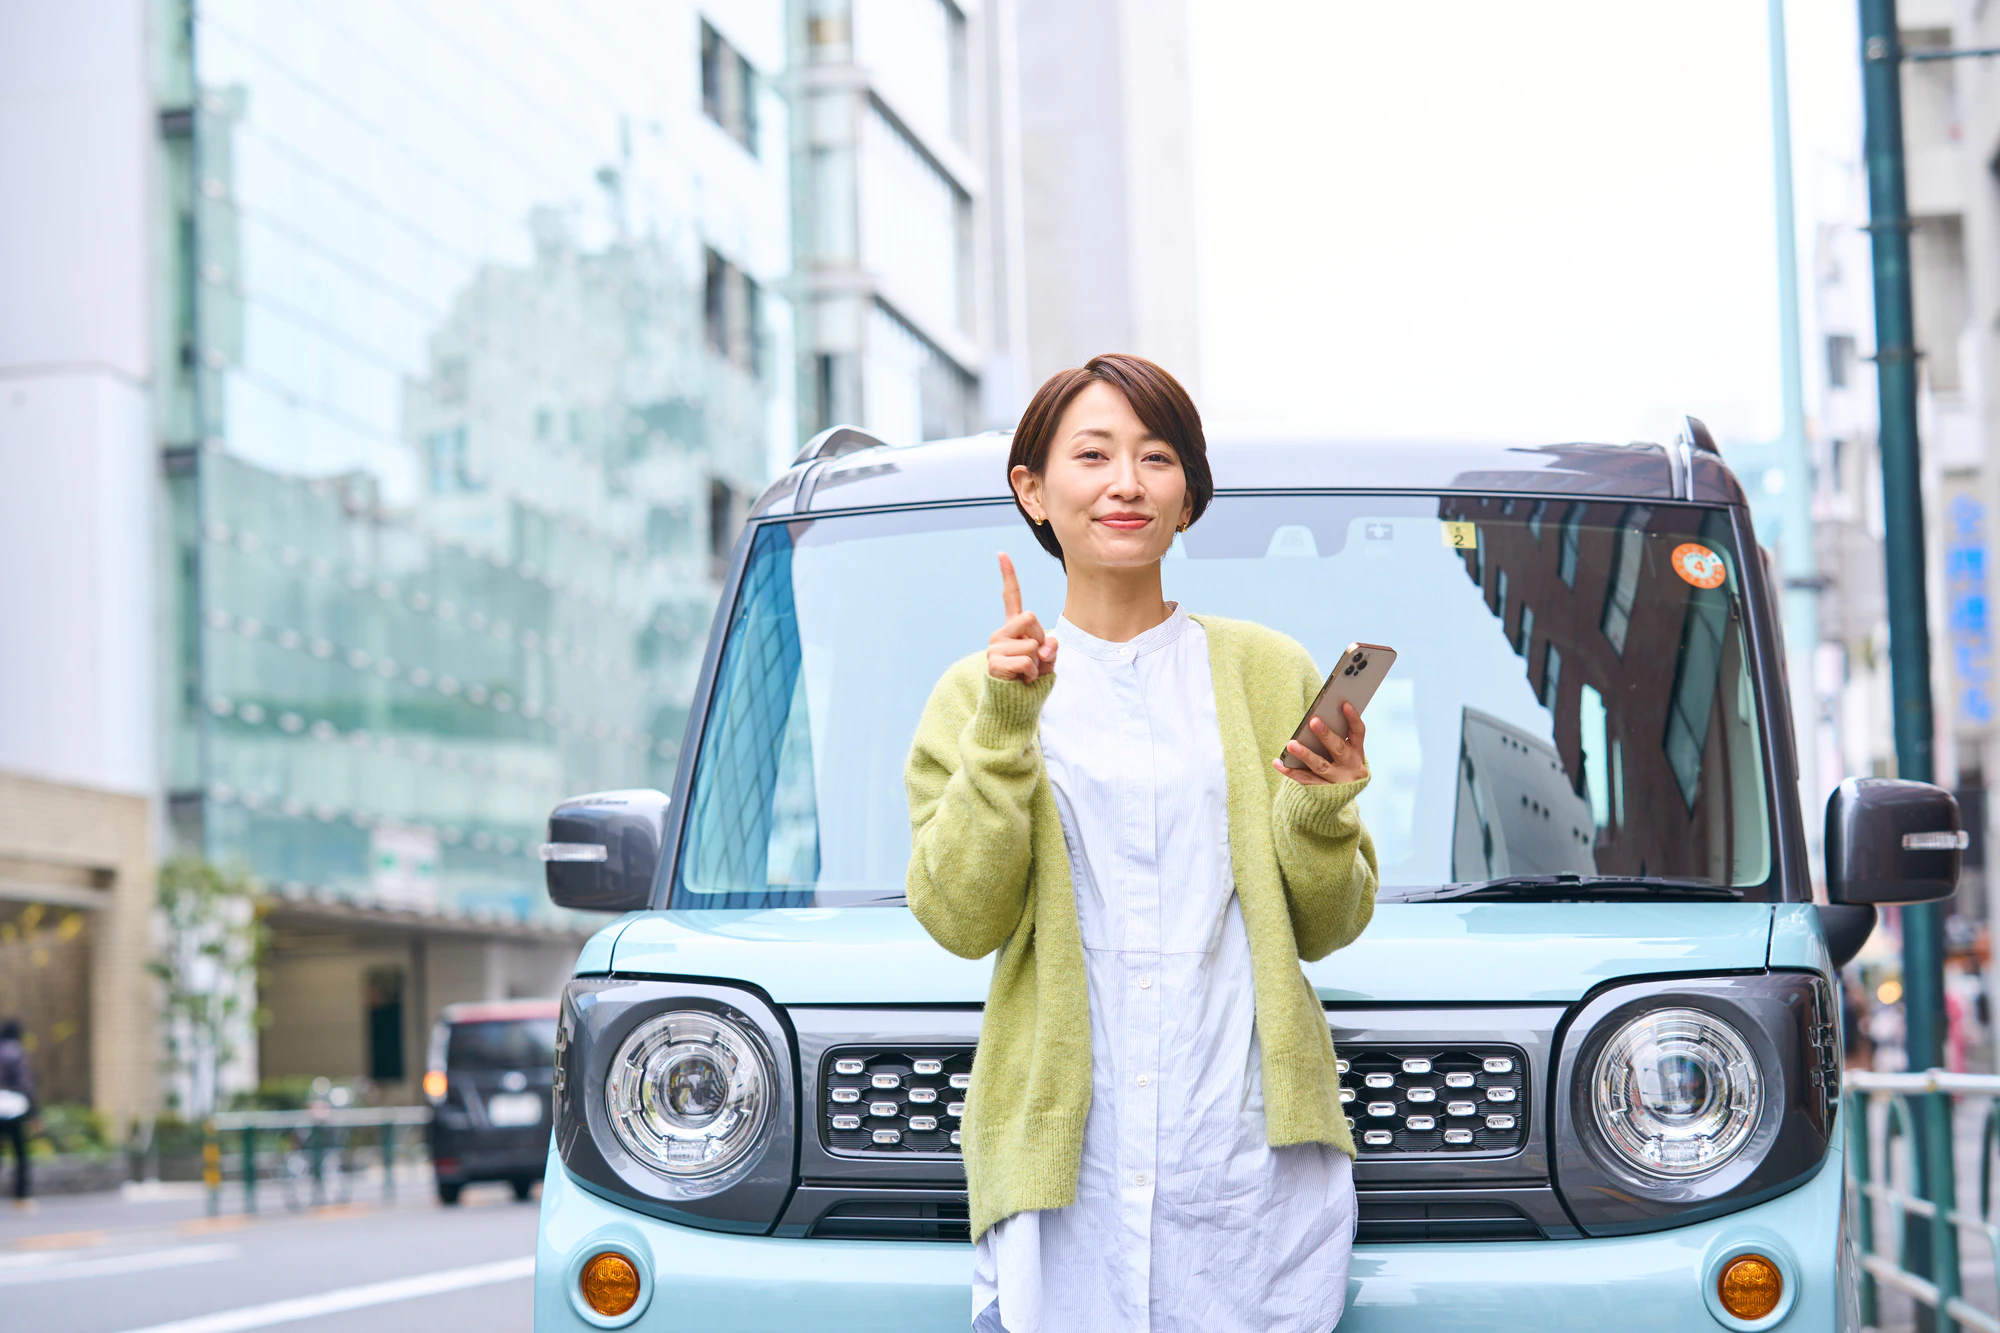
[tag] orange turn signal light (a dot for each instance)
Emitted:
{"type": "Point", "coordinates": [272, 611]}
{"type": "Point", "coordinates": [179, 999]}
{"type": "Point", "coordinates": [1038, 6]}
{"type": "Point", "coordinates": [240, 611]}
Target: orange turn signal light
{"type": "Point", "coordinates": [435, 1085]}
{"type": "Point", "coordinates": [1750, 1286]}
{"type": "Point", "coordinates": [610, 1283]}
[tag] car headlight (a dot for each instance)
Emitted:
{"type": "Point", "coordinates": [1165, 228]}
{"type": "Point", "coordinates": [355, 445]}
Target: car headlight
{"type": "Point", "coordinates": [689, 1095]}
{"type": "Point", "coordinates": [1676, 1093]}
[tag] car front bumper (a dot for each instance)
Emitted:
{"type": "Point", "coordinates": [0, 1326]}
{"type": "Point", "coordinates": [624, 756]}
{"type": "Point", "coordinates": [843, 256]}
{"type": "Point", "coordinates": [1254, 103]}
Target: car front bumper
{"type": "Point", "coordinates": [700, 1281]}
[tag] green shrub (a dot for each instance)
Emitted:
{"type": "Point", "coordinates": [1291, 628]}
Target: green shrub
{"type": "Point", "coordinates": [67, 1128]}
{"type": "Point", "coordinates": [276, 1094]}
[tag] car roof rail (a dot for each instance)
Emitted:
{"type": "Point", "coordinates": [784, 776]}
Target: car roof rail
{"type": "Point", "coordinates": [1699, 436]}
{"type": "Point", "coordinates": [837, 440]}
{"type": "Point", "coordinates": [1694, 434]}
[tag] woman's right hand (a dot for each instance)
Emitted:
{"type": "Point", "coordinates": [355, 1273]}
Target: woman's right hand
{"type": "Point", "coordinates": [1018, 650]}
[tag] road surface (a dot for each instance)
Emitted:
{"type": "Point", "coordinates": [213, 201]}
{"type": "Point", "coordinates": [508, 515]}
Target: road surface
{"type": "Point", "coordinates": [155, 1261]}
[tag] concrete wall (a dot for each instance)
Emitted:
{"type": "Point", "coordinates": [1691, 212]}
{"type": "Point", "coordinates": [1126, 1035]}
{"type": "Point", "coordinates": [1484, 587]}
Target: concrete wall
{"type": "Point", "coordinates": [77, 456]}
{"type": "Point", "coordinates": [1107, 183]}
{"type": "Point", "coordinates": [314, 993]}
{"type": "Point", "coordinates": [76, 847]}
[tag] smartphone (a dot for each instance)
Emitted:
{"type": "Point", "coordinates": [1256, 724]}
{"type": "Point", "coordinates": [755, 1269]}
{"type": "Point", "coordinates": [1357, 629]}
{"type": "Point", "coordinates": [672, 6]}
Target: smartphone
{"type": "Point", "coordinates": [1354, 679]}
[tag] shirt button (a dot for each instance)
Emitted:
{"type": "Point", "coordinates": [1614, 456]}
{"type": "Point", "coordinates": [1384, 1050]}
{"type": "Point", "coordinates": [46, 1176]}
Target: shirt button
{"type": "Point", "coordinates": [1145, 983]}
{"type": "Point", "coordinates": [1143, 1080]}
{"type": "Point", "coordinates": [1126, 652]}
{"type": "Point", "coordinates": [1139, 1179]}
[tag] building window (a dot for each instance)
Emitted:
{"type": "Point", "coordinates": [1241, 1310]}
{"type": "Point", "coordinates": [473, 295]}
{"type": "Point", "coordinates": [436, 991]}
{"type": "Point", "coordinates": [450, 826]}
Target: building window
{"type": "Point", "coordinates": [915, 226]}
{"type": "Point", "coordinates": [731, 302]}
{"type": "Point", "coordinates": [721, 518]}
{"type": "Point", "coordinates": [1594, 774]}
{"type": "Point", "coordinates": [1693, 701]}
{"type": "Point", "coordinates": [1552, 670]}
{"type": "Point", "coordinates": [1526, 630]}
{"type": "Point", "coordinates": [1535, 517]}
{"type": "Point", "coordinates": [1572, 539]}
{"type": "Point", "coordinates": [728, 88]}
{"type": "Point", "coordinates": [1624, 586]}
{"type": "Point", "coordinates": [1839, 356]}
{"type": "Point", "coordinates": [445, 457]}
{"type": "Point", "coordinates": [1937, 281]}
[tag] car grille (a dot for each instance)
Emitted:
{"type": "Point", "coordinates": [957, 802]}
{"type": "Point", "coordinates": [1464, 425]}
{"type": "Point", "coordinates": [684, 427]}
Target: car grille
{"type": "Point", "coordinates": [1400, 1100]}
{"type": "Point", "coordinates": [893, 1103]}
{"type": "Point", "coordinates": [1405, 1100]}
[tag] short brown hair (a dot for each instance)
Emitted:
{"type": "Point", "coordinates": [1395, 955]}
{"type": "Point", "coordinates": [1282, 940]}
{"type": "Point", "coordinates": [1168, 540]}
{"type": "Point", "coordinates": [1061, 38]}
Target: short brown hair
{"type": "Point", "coordinates": [1157, 399]}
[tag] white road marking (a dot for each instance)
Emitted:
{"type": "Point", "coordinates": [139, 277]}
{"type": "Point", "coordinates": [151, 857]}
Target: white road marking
{"type": "Point", "coordinates": [349, 1298]}
{"type": "Point", "coordinates": [60, 1268]}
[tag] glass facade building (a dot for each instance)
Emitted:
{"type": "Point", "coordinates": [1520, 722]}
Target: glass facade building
{"type": "Point", "coordinates": [481, 353]}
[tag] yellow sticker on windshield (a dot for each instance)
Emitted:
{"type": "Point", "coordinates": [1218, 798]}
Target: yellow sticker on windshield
{"type": "Point", "coordinates": [1698, 565]}
{"type": "Point", "coordinates": [1460, 536]}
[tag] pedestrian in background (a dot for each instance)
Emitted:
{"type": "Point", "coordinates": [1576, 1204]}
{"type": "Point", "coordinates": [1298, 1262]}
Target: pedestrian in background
{"type": "Point", "coordinates": [17, 1103]}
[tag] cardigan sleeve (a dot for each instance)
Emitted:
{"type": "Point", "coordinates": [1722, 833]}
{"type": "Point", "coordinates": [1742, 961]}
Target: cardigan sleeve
{"type": "Point", "coordinates": [971, 774]}
{"type": "Point", "coordinates": [1325, 855]}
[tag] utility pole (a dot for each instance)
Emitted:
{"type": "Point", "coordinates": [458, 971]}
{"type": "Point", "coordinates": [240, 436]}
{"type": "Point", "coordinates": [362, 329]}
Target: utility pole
{"type": "Point", "coordinates": [1909, 628]}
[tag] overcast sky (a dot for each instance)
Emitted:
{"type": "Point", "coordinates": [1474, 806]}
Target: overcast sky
{"type": "Point", "coordinates": [1549, 220]}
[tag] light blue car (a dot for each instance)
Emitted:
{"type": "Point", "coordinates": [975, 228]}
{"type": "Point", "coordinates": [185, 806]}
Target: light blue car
{"type": "Point", "coordinates": [1590, 1042]}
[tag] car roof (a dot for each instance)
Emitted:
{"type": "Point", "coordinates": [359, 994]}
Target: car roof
{"type": "Point", "coordinates": [500, 1011]}
{"type": "Point", "coordinates": [877, 475]}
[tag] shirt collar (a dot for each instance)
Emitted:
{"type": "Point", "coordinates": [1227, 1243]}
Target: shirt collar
{"type": "Point", "coordinates": [1071, 639]}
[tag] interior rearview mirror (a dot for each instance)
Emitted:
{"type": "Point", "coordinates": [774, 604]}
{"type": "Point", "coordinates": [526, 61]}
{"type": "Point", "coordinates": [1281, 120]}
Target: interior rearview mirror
{"type": "Point", "coordinates": [603, 850]}
{"type": "Point", "coordinates": [1889, 841]}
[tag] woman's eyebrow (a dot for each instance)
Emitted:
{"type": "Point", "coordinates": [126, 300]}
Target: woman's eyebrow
{"type": "Point", "coordinates": [1100, 433]}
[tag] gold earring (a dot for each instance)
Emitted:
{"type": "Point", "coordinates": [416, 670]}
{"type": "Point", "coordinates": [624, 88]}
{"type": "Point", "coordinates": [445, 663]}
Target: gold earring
{"type": "Point", "coordinates": [1183, 527]}
{"type": "Point", "coordinates": [1038, 522]}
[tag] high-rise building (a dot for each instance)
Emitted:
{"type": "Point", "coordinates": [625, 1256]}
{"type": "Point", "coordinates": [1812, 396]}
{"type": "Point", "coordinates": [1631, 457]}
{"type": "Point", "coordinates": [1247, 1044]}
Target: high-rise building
{"type": "Point", "coordinates": [1107, 184]}
{"type": "Point", "coordinates": [986, 193]}
{"type": "Point", "coordinates": [905, 255]}
{"type": "Point", "coordinates": [457, 340]}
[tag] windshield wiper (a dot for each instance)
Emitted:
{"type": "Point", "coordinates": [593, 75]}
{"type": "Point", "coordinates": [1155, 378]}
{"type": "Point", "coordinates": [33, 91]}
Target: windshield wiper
{"type": "Point", "coordinates": [1578, 888]}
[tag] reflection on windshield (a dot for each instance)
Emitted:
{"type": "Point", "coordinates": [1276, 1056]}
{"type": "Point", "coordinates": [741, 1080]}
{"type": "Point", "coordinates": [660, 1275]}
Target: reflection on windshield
{"type": "Point", "coordinates": [1680, 725]}
{"type": "Point", "coordinates": [1572, 693]}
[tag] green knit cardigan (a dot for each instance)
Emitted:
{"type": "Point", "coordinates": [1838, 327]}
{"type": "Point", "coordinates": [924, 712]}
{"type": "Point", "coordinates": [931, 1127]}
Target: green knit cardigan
{"type": "Point", "coordinates": [988, 870]}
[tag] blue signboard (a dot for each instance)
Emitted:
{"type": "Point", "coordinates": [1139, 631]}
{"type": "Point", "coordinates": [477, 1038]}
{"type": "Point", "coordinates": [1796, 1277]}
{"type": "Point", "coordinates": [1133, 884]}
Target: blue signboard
{"type": "Point", "coordinates": [1968, 626]}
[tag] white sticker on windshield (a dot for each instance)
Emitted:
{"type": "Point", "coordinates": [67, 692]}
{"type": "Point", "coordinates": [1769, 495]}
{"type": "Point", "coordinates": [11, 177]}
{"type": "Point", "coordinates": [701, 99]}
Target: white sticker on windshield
{"type": "Point", "coordinates": [1460, 536]}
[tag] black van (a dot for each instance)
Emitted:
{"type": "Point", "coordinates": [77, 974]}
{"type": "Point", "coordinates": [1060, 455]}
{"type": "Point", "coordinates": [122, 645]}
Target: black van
{"type": "Point", "coordinates": [490, 1070]}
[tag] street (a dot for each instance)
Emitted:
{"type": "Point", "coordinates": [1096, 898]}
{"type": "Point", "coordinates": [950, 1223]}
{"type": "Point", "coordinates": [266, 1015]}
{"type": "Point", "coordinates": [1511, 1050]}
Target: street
{"type": "Point", "coordinates": [154, 1261]}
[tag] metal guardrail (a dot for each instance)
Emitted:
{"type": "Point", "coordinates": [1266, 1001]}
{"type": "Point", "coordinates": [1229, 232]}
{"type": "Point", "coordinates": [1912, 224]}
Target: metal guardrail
{"type": "Point", "coordinates": [316, 1133]}
{"type": "Point", "coordinates": [1918, 1110]}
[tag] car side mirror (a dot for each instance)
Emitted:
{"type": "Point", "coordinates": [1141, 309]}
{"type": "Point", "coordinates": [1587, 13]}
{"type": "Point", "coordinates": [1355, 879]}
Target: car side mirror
{"type": "Point", "coordinates": [604, 849]}
{"type": "Point", "coordinates": [1889, 841]}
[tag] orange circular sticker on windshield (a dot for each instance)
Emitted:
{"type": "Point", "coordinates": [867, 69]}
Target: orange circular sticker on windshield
{"type": "Point", "coordinates": [1698, 565]}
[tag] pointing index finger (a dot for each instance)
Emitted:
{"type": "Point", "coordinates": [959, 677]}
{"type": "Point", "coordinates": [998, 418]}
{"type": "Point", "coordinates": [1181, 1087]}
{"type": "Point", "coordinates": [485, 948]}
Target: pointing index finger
{"type": "Point", "coordinates": [1010, 587]}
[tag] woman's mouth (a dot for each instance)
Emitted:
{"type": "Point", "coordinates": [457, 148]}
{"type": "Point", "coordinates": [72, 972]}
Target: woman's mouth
{"type": "Point", "coordinates": [1125, 522]}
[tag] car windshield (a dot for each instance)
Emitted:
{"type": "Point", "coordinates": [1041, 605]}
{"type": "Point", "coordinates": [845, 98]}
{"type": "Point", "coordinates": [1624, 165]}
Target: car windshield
{"type": "Point", "coordinates": [515, 1043]}
{"type": "Point", "coordinates": [1572, 698]}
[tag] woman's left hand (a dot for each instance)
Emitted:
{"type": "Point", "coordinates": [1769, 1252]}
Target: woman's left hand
{"type": "Point", "coordinates": [1348, 762]}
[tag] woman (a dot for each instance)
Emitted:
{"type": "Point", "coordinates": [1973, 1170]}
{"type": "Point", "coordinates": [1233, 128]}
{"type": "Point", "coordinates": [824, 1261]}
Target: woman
{"type": "Point", "coordinates": [1153, 1137]}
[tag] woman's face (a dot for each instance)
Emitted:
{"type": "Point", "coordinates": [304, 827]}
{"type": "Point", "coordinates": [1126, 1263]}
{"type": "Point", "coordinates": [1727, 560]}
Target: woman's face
{"type": "Point", "coordinates": [1112, 491]}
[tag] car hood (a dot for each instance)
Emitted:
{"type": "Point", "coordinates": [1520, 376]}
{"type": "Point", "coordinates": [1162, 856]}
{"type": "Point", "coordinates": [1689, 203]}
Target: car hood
{"type": "Point", "coordinates": [1411, 952]}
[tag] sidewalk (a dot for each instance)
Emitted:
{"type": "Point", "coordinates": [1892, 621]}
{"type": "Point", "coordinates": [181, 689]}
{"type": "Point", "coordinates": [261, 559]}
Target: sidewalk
{"type": "Point", "coordinates": [152, 1210]}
